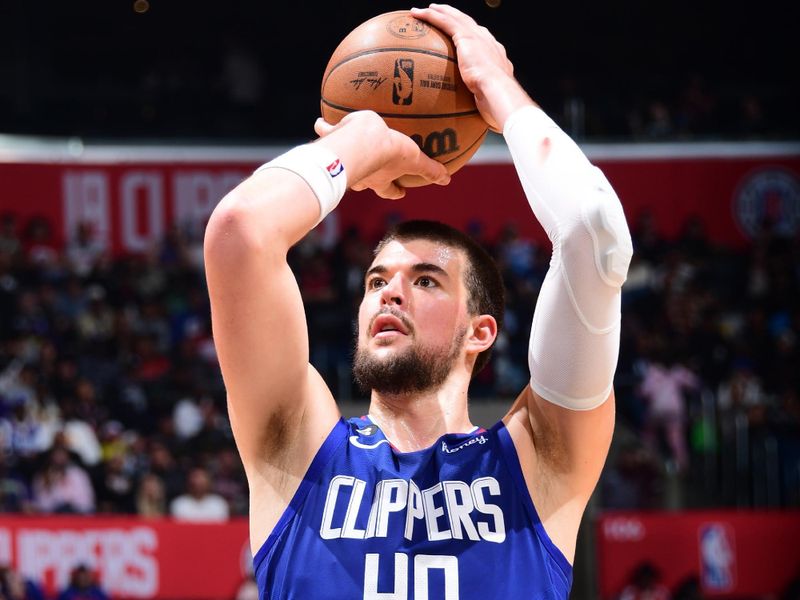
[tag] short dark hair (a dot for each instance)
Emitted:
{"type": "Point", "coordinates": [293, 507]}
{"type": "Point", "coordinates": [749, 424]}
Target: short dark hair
{"type": "Point", "coordinates": [482, 278]}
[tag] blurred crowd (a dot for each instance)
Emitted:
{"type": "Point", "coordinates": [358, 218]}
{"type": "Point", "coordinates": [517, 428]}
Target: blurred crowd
{"type": "Point", "coordinates": [82, 585]}
{"type": "Point", "coordinates": [646, 583]}
{"type": "Point", "coordinates": [111, 399]}
{"type": "Point", "coordinates": [707, 383]}
{"type": "Point", "coordinates": [694, 108]}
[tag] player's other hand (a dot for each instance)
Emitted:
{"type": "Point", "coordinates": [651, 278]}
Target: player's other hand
{"type": "Point", "coordinates": [376, 156]}
{"type": "Point", "coordinates": [482, 61]}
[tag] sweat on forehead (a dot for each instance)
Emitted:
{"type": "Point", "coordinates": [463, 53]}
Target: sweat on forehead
{"type": "Point", "coordinates": [426, 251]}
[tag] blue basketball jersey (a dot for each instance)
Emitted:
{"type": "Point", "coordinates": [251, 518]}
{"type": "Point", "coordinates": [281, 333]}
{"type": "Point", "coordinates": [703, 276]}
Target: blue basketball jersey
{"type": "Point", "coordinates": [451, 522]}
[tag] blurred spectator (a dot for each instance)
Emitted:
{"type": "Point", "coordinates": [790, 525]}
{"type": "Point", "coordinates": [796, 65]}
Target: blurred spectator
{"type": "Point", "coordinates": [752, 121]}
{"type": "Point", "coordinates": [83, 585]}
{"type": "Point", "coordinates": [162, 464]}
{"type": "Point", "coordinates": [21, 433]}
{"type": "Point", "coordinates": [187, 417]}
{"type": "Point", "coordinates": [96, 321]}
{"type": "Point", "coordinates": [18, 384]}
{"type": "Point", "coordinates": [78, 434]}
{"type": "Point", "coordinates": [199, 504]}
{"type": "Point", "coordinates": [61, 486]}
{"type": "Point", "coordinates": [647, 243]}
{"type": "Point", "coordinates": [15, 587]}
{"type": "Point", "coordinates": [10, 244]}
{"type": "Point", "coordinates": [230, 482]}
{"type": "Point", "coordinates": [645, 584]}
{"type": "Point", "coordinates": [698, 107]}
{"type": "Point", "coordinates": [40, 249]}
{"type": "Point", "coordinates": [633, 480]}
{"type": "Point", "coordinates": [151, 499]}
{"type": "Point", "coordinates": [214, 432]}
{"type": "Point", "coordinates": [658, 125]}
{"type": "Point", "coordinates": [151, 364]}
{"type": "Point", "coordinates": [84, 250]}
{"type": "Point", "coordinates": [663, 386]}
{"type": "Point", "coordinates": [113, 442]}
{"type": "Point", "coordinates": [515, 254]}
{"type": "Point", "coordinates": [115, 486]}
{"type": "Point", "coordinates": [14, 495]}
{"type": "Point", "coordinates": [742, 390]}
{"type": "Point", "coordinates": [242, 76]}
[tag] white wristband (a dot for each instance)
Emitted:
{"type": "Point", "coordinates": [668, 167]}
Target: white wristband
{"type": "Point", "coordinates": [320, 168]}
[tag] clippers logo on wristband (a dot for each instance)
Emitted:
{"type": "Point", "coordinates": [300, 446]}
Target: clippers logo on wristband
{"type": "Point", "coordinates": [335, 168]}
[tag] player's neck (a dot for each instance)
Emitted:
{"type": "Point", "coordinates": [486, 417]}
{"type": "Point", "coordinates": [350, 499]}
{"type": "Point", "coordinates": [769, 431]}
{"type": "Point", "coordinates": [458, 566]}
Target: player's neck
{"type": "Point", "coordinates": [415, 421]}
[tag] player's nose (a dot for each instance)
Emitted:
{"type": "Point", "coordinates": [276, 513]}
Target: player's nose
{"type": "Point", "coordinates": [392, 292]}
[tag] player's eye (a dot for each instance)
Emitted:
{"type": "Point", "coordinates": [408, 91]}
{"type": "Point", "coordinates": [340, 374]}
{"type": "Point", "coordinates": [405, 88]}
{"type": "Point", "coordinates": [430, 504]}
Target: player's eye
{"type": "Point", "coordinates": [426, 281]}
{"type": "Point", "coordinates": [375, 283]}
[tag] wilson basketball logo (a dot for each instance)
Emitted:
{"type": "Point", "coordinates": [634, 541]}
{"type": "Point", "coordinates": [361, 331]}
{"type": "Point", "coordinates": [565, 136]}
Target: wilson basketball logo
{"type": "Point", "coordinates": [403, 89]}
{"type": "Point", "coordinates": [437, 143]}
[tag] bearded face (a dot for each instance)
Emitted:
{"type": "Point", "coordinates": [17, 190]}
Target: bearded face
{"type": "Point", "coordinates": [413, 318]}
{"type": "Point", "coordinates": [414, 368]}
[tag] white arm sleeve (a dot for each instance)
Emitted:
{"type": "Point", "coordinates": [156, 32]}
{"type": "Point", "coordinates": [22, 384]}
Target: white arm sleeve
{"type": "Point", "coordinates": [574, 341]}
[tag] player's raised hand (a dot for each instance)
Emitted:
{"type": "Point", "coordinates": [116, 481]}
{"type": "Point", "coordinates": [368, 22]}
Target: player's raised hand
{"type": "Point", "coordinates": [376, 156]}
{"type": "Point", "coordinates": [482, 61]}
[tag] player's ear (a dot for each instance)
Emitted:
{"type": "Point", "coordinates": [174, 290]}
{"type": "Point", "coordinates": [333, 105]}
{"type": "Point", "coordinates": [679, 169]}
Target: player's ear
{"type": "Point", "coordinates": [481, 333]}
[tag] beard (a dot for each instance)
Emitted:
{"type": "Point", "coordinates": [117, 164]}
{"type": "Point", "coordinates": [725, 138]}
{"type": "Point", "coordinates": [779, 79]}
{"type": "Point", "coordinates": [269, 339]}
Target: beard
{"type": "Point", "coordinates": [413, 370]}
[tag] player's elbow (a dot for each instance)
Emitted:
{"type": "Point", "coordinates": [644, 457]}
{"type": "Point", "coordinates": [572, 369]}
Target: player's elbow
{"type": "Point", "coordinates": [603, 225]}
{"type": "Point", "coordinates": [232, 232]}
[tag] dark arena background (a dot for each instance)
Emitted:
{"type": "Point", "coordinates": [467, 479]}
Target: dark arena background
{"type": "Point", "coordinates": [123, 123]}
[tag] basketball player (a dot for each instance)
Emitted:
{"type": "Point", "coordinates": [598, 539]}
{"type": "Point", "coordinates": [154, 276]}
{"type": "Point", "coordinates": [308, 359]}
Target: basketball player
{"type": "Point", "coordinates": [412, 500]}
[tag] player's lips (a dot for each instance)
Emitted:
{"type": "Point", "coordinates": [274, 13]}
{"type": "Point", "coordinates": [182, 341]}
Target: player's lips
{"type": "Point", "coordinates": [386, 325]}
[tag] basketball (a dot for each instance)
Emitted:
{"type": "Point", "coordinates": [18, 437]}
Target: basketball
{"type": "Point", "coordinates": [406, 71]}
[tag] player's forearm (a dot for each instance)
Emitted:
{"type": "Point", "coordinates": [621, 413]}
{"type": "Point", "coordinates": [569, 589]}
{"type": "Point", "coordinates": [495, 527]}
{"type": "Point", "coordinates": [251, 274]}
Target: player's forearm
{"type": "Point", "coordinates": [268, 212]}
{"type": "Point", "coordinates": [575, 336]}
{"type": "Point", "coordinates": [285, 198]}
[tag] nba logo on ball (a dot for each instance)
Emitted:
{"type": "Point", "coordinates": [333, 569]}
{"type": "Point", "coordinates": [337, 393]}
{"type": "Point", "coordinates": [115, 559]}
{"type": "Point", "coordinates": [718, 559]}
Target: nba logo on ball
{"type": "Point", "coordinates": [717, 557]}
{"type": "Point", "coordinates": [403, 89]}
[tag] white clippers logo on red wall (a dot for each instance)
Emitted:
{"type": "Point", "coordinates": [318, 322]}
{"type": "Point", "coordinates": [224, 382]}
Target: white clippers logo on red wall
{"type": "Point", "coordinates": [771, 196]}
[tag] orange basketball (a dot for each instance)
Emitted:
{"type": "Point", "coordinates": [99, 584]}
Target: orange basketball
{"type": "Point", "coordinates": [406, 71]}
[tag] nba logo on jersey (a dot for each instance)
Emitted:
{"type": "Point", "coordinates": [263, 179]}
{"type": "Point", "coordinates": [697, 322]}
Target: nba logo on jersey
{"type": "Point", "coordinates": [717, 557]}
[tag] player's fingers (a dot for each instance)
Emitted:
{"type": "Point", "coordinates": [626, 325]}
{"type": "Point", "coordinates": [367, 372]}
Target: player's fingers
{"type": "Point", "coordinates": [322, 127]}
{"type": "Point", "coordinates": [430, 170]}
{"type": "Point", "coordinates": [442, 20]}
{"type": "Point", "coordinates": [392, 191]}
